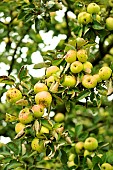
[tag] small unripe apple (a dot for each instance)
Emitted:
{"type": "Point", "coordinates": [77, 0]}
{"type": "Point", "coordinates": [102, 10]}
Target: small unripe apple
{"type": "Point", "coordinates": [98, 18]}
{"type": "Point", "coordinates": [80, 42]}
{"type": "Point", "coordinates": [93, 8]}
{"type": "Point", "coordinates": [51, 71]}
{"type": "Point", "coordinates": [25, 116]}
{"type": "Point", "coordinates": [44, 130]}
{"type": "Point", "coordinates": [38, 110]}
{"type": "Point", "coordinates": [13, 95]}
{"type": "Point", "coordinates": [79, 147]}
{"type": "Point", "coordinates": [89, 81]}
{"type": "Point", "coordinates": [19, 126]}
{"type": "Point", "coordinates": [106, 166]}
{"type": "Point", "coordinates": [76, 67]}
{"type": "Point", "coordinates": [70, 57]}
{"type": "Point", "coordinates": [50, 80]}
{"type": "Point", "coordinates": [82, 55]}
{"type": "Point", "coordinates": [43, 98]}
{"type": "Point", "coordinates": [69, 81]}
{"type": "Point", "coordinates": [105, 73]}
{"type": "Point", "coordinates": [87, 66]}
{"type": "Point", "coordinates": [109, 23]}
{"type": "Point", "coordinates": [59, 117]}
{"type": "Point", "coordinates": [84, 18]}
{"type": "Point", "coordinates": [91, 143]}
{"type": "Point", "coordinates": [97, 77]}
{"type": "Point", "coordinates": [40, 87]}
{"type": "Point", "coordinates": [37, 145]}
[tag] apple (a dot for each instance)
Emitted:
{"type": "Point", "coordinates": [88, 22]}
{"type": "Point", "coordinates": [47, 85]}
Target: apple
{"type": "Point", "coordinates": [109, 23]}
{"type": "Point", "coordinates": [59, 117]}
{"type": "Point", "coordinates": [79, 147]}
{"type": "Point", "coordinates": [84, 18]}
{"type": "Point", "coordinates": [105, 73]}
{"type": "Point", "coordinates": [50, 80]}
{"type": "Point", "coordinates": [25, 116]}
{"type": "Point", "coordinates": [52, 70]}
{"type": "Point", "coordinates": [111, 3]}
{"type": "Point", "coordinates": [97, 77]}
{"type": "Point", "coordinates": [69, 81]}
{"type": "Point", "coordinates": [76, 67]}
{"type": "Point", "coordinates": [19, 126]}
{"type": "Point", "coordinates": [40, 87]}
{"type": "Point", "coordinates": [80, 42]}
{"type": "Point", "coordinates": [106, 166]}
{"type": "Point", "coordinates": [93, 8]}
{"type": "Point", "coordinates": [71, 157]}
{"type": "Point", "coordinates": [82, 55]}
{"type": "Point", "coordinates": [98, 18]}
{"type": "Point", "coordinates": [70, 56]}
{"type": "Point", "coordinates": [37, 145]}
{"type": "Point", "coordinates": [13, 95]}
{"type": "Point", "coordinates": [43, 98]}
{"type": "Point", "coordinates": [87, 66]}
{"type": "Point", "coordinates": [89, 81]}
{"type": "Point", "coordinates": [91, 143]}
{"type": "Point", "coordinates": [38, 110]}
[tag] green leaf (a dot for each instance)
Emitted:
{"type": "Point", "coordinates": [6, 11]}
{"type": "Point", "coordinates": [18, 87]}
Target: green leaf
{"type": "Point", "coordinates": [57, 62]}
{"type": "Point", "coordinates": [78, 130]}
{"type": "Point", "coordinates": [98, 26]}
{"type": "Point", "coordinates": [40, 65]}
{"type": "Point", "coordinates": [13, 147]}
{"type": "Point", "coordinates": [64, 157]}
{"type": "Point", "coordinates": [109, 157]}
{"type": "Point", "coordinates": [6, 80]}
{"type": "Point", "coordinates": [22, 72]}
{"type": "Point", "coordinates": [13, 164]}
{"type": "Point", "coordinates": [83, 94]}
{"type": "Point", "coordinates": [46, 123]}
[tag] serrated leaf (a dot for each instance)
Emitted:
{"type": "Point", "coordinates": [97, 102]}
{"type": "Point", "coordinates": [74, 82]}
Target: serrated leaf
{"type": "Point", "coordinates": [6, 80]}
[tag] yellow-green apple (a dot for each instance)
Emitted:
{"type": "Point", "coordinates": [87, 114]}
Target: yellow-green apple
{"type": "Point", "coordinates": [25, 116]}
{"type": "Point", "coordinates": [52, 70]}
{"type": "Point", "coordinates": [19, 126]}
{"type": "Point", "coordinates": [106, 166]}
{"type": "Point", "coordinates": [38, 110]}
{"type": "Point", "coordinates": [79, 147]}
{"type": "Point", "coordinates": [105, 73]}
{"type": "Point", "coordinates": [98, 18]}
{"type": "Point", "coordinates": [109, 23]}
{"type": "Point", "coordinates": [76, 67]}
{"type": "Point", "coordinates": [13, 95]}
{"type": "Point", "coordinates": [82, 55]}
{"type": "Point", "coordinates": [69, 81]}
{"type": "Point", "coordinates": [40, 87]}
{"type": "Point", "coordinates": [84, 18]}
{"type": "Point", "coordinates": [59, 117]}
{"type": "Point", "coordinates": [91, 143]}
{"type": "Point", "coordinates": [89, 81]}
{"type": "Point", "coordinates": [37, 145]}
{"type": "Point", "coordinates": [50, 80]}
{"type": "Point", "coordinates": [87, 66]}
{"type": "Point", "coordinates": [93, 8]}
{"type": "Point", "coordinates": [97, 77]}
{"type": "Point", "coordinates": [70, 56]}
{"type": "Point", "coordinates": [80, 42]}
{"type": "Point", "coordinates": [43, 98]}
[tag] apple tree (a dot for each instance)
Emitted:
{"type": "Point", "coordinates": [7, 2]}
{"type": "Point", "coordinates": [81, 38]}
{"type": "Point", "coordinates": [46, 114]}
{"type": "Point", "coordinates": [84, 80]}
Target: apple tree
{"type": "Point", "coordinates": [56, 90]}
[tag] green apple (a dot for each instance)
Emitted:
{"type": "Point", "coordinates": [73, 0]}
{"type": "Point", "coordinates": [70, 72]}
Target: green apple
{"type": "Point", "coordinates": [13, 95]}
{"type": "Point", "coordinates": [79, 147]}
{"type": "Point", "coordinates": [93, 8]}
{"type": "Point", "coordinates": [91, 143]}
{"type": "Point", "coordinates": [19, 126]}
{"type": "Point", "coordinates": [106, 166]}
{"type": "Point", "coordinates": [52, 70]}
{"type": "Point", "coordinates": [84, 18]}
{"type": "Point", "coordinates": [37, 145]}
{"type": "Point", "coordinates": [76, 67]}
{"type": "Point", "coordinates": [25, 116]}
{"type": "Point", "coordinates": [40, 87]}
{"type": "Point", "coordinates": [98, 18]}
{"type": "Point", "coordinates": [89, 81]}
{"type": "Point", "coordinates": [105, 73]}
{"type": "Point", "coordinates": [111, 3]}
{"type": "Point", "coordinates": [43, 98]}
{"type": "Point", "coordinates": [87, 66]}
{"type": "Point", "coordinates": [97, 77]}
{"type": "Point", "coordinates": [70, 56]}
{"type": "Point", "coordinates": [109, 23]}
{"type": "Point", "coordinates": [38, 110]}
{"type": "Point", "coordinates": [80, 42]}
{"type": "Point", "coordinates": [82, 55]}
{"type": "Point", "coordinates": [69, 81]}
{"type": "Point", "coordinates": [59, 117]}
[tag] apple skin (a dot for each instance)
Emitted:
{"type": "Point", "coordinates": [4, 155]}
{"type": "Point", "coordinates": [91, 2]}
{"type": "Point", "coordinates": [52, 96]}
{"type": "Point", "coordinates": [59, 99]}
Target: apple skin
{"type": "Point", "coordinates": [50, 80]}
{"type": "Point", "coordinates": [44, 98]}
{"type": "Point", "coordinates": [105, 73]}
{"type": "Point", "coordinates": [84, 18]}
{"type": "Point", "coordinates": [70, 57]}
{"type": "Point", "coordinates": [38, 110]}
{"type": "Point", "coordinates": [69, 81]}
{"type": "Point", "coordinates": [76, 67]}
{"type": "Point", "coordinates": [93, 8]}
{"type": "Point", "coordinates": [79, 147]}
{"type": "Point", "coordinates": [90, 144]}
{"type": "Point", "coordinates": [87, 66]}
{"type": "Point", "coordinates": [109, 23]}
{"type": "Point", "coordinates": [106, 166]}
{"type": "Point", "coordinates": [18, 127]}
{"type": "Point", "coordinates": [59, 117]}
{"type": "Point", "coordinates": [37, 145]}
{"type": "Point", "coordinates": [97, 77]}
{"type": "Point", "coordinates": [25, 116]}
{"type": "Point", "coordinates": [51, 71]}
{"type": "Point", "coordinates": [89, 81]}
{"type": "Point", "coordinates": [82, 55]}
{"type": "Point", "coordinates": [40, 87]}
{"type": "Point", "coordinates": [13, 95]}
